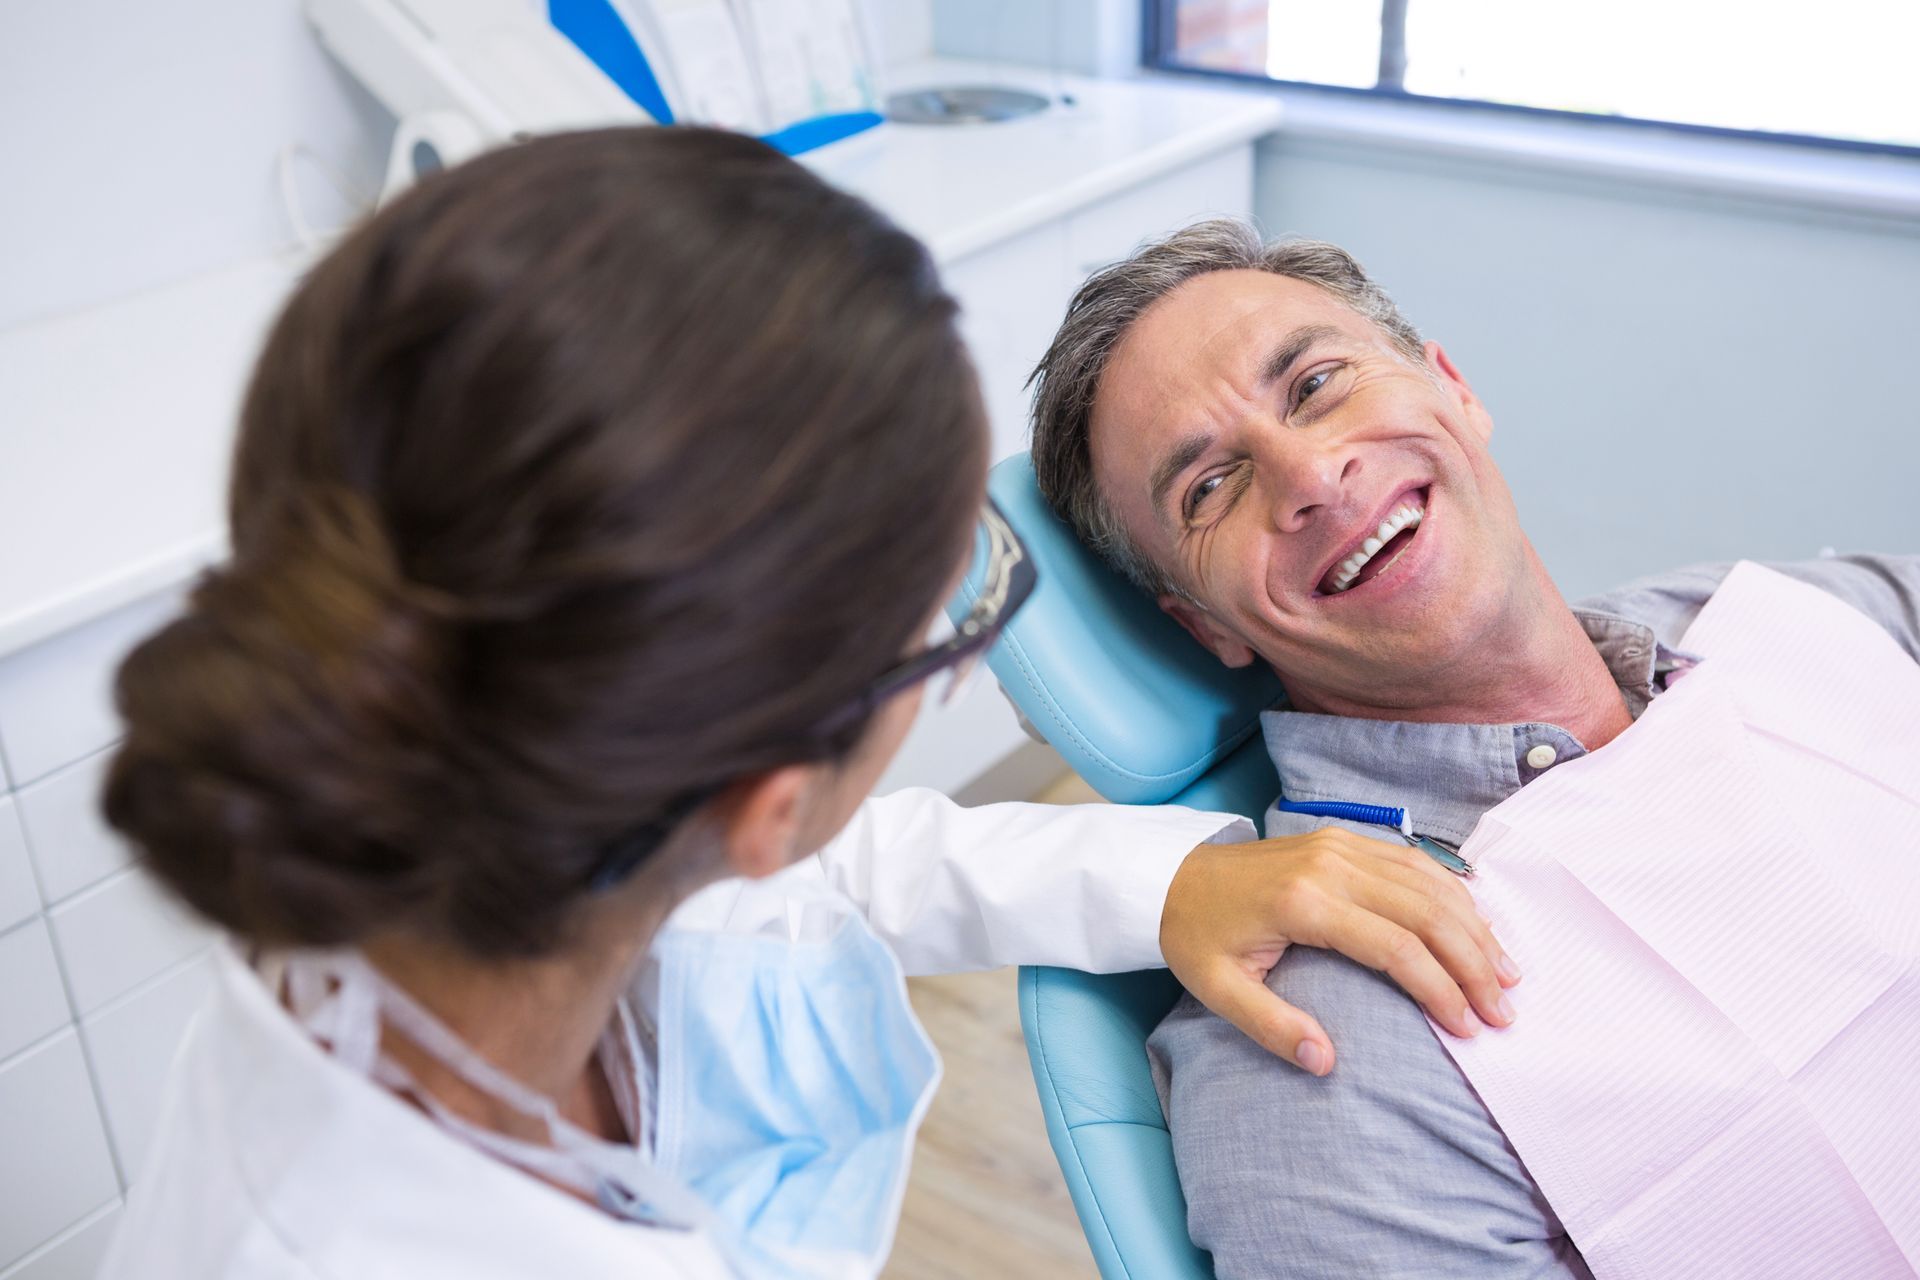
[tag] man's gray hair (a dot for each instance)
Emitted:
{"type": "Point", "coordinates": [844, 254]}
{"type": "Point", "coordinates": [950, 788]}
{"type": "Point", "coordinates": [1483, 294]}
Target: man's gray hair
{"type": "Point", "coordinates": [1068, 375]}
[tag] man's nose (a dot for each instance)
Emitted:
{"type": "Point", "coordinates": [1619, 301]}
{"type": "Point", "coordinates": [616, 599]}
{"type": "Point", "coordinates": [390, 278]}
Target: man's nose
{"type": "Point", "coordinates": [1309, 480]}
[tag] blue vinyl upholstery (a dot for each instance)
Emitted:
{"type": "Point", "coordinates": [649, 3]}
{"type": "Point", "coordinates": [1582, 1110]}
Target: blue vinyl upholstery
{"type": "Point", "coordinates": [1137, 708]}
{"type": "Point", "coordinates": [1148, 717]}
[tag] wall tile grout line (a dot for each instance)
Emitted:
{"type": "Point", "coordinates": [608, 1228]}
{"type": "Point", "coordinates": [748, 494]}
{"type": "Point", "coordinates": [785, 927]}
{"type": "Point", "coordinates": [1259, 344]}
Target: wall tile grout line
{"type": "Point", "coordinates": [47, 900]}
{"type": "Point", "coordinates": [66, 1233]}
{"type": "Point", "coordinates": [86, 1052]}
{"type": "Point", "coordinates": [32, 1047]}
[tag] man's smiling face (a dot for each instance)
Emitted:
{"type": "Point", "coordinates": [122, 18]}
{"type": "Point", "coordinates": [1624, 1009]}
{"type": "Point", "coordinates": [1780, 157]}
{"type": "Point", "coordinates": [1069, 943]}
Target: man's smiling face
{"type": "Point", "coordinates": [1318, 497]}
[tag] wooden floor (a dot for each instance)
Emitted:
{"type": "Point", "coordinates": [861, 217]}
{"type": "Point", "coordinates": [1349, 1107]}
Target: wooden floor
{"type": "Point", "coordinates": [985, 1198]}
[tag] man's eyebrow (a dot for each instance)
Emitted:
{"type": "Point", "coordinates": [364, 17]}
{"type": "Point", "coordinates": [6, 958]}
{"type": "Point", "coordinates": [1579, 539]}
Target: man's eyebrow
{"type": "Point", "coordinates": [1298, 343]}
{"type": "Point", "coordinates": [1185, 452]}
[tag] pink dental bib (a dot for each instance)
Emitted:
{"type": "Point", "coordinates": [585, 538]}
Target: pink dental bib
{"type": "Point", "coordinates": [1716, 1067]}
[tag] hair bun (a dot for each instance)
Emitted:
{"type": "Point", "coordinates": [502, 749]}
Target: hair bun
{"type": "Point", "coordinates": [283, 763]}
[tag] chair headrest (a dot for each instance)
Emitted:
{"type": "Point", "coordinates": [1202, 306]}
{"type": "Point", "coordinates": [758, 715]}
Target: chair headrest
{"type": "Point", "coordinates": [1120, 689]}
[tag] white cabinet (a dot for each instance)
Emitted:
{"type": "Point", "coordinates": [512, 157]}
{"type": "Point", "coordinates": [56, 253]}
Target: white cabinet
{"type": "Point", "coordinates": [1102, 234]}
{"type": "Point", "coordinates": [1011, 297]}
{"type": "Point", "coordinates": [54, 1164]}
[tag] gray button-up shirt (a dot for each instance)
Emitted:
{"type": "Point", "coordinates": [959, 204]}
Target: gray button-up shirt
{"type": "Point", "coordinates": [1390, 1166]}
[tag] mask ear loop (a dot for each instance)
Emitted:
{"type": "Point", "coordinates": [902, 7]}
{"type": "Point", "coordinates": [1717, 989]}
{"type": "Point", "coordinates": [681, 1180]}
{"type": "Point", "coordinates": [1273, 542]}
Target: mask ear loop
{"type": "Point", "coordinates": [337, 1010]}
{"type": "Point", "coordinates": [621, 1046]}
{"type": "Point", "coordinates": [341, 999]}
{"type": "Point", "coordinates": [419, 1024]}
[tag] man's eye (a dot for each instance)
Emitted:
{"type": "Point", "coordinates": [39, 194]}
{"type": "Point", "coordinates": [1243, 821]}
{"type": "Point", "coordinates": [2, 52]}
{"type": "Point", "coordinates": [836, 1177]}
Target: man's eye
{"type": "Point", "coordinates": [1207, 487]}
{"type": "Point", "coordinates": [1312, 383]}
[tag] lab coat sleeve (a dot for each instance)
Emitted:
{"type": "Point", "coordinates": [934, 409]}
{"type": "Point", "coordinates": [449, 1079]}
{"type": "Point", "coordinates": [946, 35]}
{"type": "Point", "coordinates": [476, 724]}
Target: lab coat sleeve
{"type": "Point", "coordinates": [952, 888]}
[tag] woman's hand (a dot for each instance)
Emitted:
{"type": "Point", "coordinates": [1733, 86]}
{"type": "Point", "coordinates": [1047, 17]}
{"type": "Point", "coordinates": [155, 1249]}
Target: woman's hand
{"type": "Point", "coordinates": [1233, 909]}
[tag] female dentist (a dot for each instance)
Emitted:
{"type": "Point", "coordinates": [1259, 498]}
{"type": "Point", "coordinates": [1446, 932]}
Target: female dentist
{"type": "Point", "coordinates": [590, 510]}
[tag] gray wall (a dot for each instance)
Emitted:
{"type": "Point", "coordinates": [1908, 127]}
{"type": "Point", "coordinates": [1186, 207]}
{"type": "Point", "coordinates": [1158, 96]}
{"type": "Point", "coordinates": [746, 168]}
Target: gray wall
{"type": "Point", "coordinates": [1673, 378]}
{"type": "Point", "coordinates": [1086, 37]}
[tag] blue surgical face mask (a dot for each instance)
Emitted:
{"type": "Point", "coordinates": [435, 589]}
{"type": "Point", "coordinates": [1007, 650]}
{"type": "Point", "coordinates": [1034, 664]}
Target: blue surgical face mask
{"type": "Point", "coordinates": [792, 1078]}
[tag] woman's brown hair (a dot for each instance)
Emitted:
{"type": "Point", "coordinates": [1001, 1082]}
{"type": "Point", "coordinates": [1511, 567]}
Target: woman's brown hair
{"type": "Point", "coordinates": [589, 476]}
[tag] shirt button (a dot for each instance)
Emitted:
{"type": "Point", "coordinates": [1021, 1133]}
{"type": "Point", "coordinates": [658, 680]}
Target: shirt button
{"type": "Point", "coordinates": [1542, 757]}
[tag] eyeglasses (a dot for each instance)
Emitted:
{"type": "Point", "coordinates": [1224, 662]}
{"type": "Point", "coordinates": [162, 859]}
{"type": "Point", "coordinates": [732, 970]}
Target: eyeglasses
{"type": "Point", "coordinates": [951, 657]}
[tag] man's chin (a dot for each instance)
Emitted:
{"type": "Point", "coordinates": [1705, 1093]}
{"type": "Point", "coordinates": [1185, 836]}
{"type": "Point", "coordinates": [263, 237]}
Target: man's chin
{"type": "Point", "coordinates": [1384, 667]}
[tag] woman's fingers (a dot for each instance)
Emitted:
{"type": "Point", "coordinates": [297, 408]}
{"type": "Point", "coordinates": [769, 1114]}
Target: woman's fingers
{"type": "Point", "coordinates": [1419, 872]}
{"type": "Point", "coordinates": [1378, 942]}
{"type": "Point", "coordinates": [1416, 864]}
{"type": "Point", "coordinates": [1264, 1017]}
{"type": "Point", "coordinates": [1433, 879]}
{"type": "Point", "coordinates": [1453, 935]}
{"type": "Point", "coordinates": [1232, 910]}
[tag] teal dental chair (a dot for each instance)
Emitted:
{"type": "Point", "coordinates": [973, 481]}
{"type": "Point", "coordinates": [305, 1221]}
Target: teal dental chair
{"type": "Point", "coordinates": [1147, 717]}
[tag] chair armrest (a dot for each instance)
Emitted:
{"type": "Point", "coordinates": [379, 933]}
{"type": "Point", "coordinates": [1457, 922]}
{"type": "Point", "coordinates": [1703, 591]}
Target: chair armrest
{"type": "Point", "coordinates": [1084, 1035]}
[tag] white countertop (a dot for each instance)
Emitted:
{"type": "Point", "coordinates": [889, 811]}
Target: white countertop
{"type": "Point", "coordinates": [116, 423]}
{"type": "Point", "coordinates": [961, 188]}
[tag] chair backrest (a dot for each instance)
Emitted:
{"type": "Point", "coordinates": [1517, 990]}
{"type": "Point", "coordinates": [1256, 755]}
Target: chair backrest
{"type": "Point", "coordinates": [1146, 716]}
{"type": "Point", "coordinates": [1119, 688]}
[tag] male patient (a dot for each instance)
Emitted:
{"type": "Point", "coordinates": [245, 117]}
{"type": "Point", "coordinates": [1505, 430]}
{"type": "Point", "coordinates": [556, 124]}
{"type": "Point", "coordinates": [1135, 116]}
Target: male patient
{"type": "Point", "coordinates": [1255, 436]}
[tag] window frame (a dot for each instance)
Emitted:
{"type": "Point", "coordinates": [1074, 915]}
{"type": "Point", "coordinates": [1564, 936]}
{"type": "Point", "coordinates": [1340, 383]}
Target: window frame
{"type": "Point", "coordinates": [1156, 33]}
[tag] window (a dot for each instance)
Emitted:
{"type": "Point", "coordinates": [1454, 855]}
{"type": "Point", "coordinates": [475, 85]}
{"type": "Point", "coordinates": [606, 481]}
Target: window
{"type": "Point", "coordinates": [1841, 72]}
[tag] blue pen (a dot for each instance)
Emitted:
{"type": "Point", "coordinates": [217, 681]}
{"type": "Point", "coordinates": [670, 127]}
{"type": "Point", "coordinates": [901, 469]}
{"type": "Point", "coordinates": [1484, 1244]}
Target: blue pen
{"type": "Point", "coordinates": [1379, 815]}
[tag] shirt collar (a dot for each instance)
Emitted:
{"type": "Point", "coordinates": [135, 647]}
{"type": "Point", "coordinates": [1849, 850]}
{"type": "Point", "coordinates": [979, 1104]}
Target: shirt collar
{"type": "Point", "coordinates": [1639, 662]}
{"type": "Point", "coordinates": [1448, 775]}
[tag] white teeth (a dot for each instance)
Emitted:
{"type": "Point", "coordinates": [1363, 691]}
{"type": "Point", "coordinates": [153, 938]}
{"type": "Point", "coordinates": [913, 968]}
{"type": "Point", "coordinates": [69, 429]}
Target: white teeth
{"type": "Point", "coordinates": [1403, 517]}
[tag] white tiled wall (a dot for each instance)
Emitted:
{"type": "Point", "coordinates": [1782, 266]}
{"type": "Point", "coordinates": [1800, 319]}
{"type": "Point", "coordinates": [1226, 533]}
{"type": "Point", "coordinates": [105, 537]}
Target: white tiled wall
{"type": "Point", "coordinates": [56, 699]}
{"type": "Point", "coordinates": [100, 971]}
{"type": "Point", "coordinates": [119, 933]}
{"type": "Point", "coordinates": [33, 1004]}
{"type": "Point", "coordinates": [55, 1165]}
{"type": "Point", "coordinates": [146, 153]}
{"type": "Point", "coordinates": [74, 1254]}
{"type": "Point", "coordinates": [61, 814]}
{"type": "Point", "coordinates": [129, 1044]}
{"type": "Point", "coordinates": [18, 896]}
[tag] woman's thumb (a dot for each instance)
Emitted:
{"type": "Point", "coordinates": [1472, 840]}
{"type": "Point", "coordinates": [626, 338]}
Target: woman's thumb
{"type": "Point", "coordinates": [1266, 1019]}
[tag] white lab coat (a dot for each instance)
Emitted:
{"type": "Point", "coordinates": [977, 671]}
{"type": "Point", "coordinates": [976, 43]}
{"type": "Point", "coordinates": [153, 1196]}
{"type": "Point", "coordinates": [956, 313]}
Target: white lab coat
{"type": "Point", "coordinates": [271, 1160]}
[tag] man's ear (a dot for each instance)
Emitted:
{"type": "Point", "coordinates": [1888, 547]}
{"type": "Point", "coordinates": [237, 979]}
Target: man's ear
{"type": "Point", "coordinates": [1478, 419]}
{"type": "Point", "coordinates": [1200, 624]}
{"type": "Point", "coordinates": [760, 820]}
